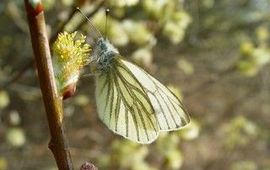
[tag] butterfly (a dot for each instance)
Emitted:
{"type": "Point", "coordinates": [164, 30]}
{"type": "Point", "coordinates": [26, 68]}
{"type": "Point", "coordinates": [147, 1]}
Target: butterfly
{"type": "Point", "coordinates": [131, 102]}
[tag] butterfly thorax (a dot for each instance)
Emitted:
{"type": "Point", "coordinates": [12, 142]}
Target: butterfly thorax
{"type": "Point", "coordinates": [103, 54]}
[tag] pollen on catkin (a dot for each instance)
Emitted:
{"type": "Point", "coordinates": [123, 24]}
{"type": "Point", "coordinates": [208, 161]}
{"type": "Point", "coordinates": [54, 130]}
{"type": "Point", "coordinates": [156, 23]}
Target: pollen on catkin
{"type": "Point", "coordinates": [71, 54]}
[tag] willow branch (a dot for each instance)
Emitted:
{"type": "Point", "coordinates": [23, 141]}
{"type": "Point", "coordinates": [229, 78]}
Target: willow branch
{"type": "Point", "coordinates": [52, 101]}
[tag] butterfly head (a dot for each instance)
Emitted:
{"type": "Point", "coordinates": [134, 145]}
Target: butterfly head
{"type": "Point", "coordinates": [103, 54]}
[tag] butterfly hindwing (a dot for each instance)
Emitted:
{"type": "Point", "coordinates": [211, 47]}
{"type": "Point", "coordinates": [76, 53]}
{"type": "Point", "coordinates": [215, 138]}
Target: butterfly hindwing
{"type": "Point", "coordinates": [123, 104]}
{"type": "Point", "coordinates": [168, 108]}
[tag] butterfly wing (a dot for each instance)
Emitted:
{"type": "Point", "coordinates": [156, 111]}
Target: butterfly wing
{"type": "Point", "coordinates": [123, 104]}
{"type": "Point", "coordinates": [169, 110]}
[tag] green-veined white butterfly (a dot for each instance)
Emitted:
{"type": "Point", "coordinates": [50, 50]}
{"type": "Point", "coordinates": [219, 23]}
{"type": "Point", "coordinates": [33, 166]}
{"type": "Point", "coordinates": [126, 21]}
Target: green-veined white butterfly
{"type": "Point", "coordinates": [130, 101]}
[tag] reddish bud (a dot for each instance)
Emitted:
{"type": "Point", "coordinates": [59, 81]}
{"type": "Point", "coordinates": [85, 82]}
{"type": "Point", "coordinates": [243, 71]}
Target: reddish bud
{"type": "Point", "coordinates": [69, 91]}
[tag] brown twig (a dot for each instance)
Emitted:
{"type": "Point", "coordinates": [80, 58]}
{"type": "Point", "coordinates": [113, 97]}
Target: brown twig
{"type": "Point", "coordinates": [52, 101]}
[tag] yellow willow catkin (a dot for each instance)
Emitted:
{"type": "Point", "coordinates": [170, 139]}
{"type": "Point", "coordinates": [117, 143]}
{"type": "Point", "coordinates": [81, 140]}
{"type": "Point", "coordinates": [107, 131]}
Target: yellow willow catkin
{"type": "Point", "coordinates": [71, 54]}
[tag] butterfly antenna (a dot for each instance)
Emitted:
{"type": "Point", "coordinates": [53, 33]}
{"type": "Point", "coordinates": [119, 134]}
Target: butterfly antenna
{"type": "Point", "coordinates": [98, 34]}
{"type": "Point", "coordinates": [106, 22]}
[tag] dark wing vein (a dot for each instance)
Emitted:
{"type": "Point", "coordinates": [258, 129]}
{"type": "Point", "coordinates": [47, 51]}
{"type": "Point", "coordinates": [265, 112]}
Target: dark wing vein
{"type": "Point", "coordinates": [181, 118]}
{"type": "Point", "coordinates": [111, 103]}
{"type": "Point", "coordinates": [130, 109]}
{"type": "Point", "coordinates": [167, 106]}
{"type": "Point", "coordinates": [137, 101]}
{"type": "Point", "coordinates": [170, 101]}
{"type": "Point", "coordinates": [117, 109]}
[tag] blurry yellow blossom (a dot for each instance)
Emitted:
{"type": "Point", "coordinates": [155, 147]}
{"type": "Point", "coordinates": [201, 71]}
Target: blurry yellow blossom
{"type": "Point", "coordinates": [15, 137]}
{"type": "Point", "coordinates": [262, 33]}
{"type": "Point", "coordinates": [176, 26]}
{"type": "Point", "coordinates": [123, 3]}
{"type": "Point", "coordinates": [14, 117]}
{"type": "Point", "coordinates": [173, 32]}
{"type": "Point", "coordinates": [171, 17]}
{"type": "Point", "coordinates": [126, 155]}
{"type": "Point", "coordinates": [168, 148]}
{"type": "Point", "coordinates": [255, 55]}
{"type": "Point", "coordinates": [3, 163]}
{"type": "Point", "coordinates": [154, 7]}
{"type": "Point", "coordinates": [4, 99]}
{"type": "Point", "coordinates": [114, 30]}
{"type": "Point", "coordinates": [244, 165]}
{"type": "Point", "coordinates": [185, 66]}
{"type": "Point", "coordinates": [239, 131]}
{"type": "Point", "coordinates": [246, 48]}
{"type": "Point", "coordinates": [143, 56]}
{"type": "Point", "coordinates": [138, 33]}
{"type": "Point", "coordinates": [250, 64]}
{"type": "Point", "coordinates": [175, 159]}
{"type": "Point", "coordinates": [191, 131]}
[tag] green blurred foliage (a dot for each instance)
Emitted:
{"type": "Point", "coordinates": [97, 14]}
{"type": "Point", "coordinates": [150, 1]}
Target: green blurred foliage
{"type": "Point", "coordinates": [4, 99]}
{"type": "Point", "coordinates": [15, 137]}
{"type": "Point", "coordinates": [129, 155]}
{"type": "Point", "coordinates": [255, 55]}
{"type": "Point", "coordinates": [3, 163]}
{"type": "Point", "coordinates": [244, 165]}
{"type": "Point", "coordinates": [126, 154]}
{"type": "Point", "coordinates": [185, 66]}
{"type": "Point", "coordinates": [167, 18]}
{"type": "Point", "coordinates": [239, 132]}
{"type": "Point", "coordinates": [192, 131]}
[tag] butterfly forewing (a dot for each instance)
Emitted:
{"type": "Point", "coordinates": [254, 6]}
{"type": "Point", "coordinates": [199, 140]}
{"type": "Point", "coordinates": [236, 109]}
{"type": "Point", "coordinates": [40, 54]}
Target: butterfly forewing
{"type": "Point", "coordinates": [169, 110]}
{"type": "Point", "coordinates": [124, 106]}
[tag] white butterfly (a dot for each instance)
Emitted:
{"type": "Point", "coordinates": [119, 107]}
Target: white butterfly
{"type": "Point", "coordinates": [130, 101]}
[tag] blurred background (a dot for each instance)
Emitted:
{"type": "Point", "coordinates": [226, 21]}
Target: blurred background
{"type": "Point", "coordinates": [213, 54]}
